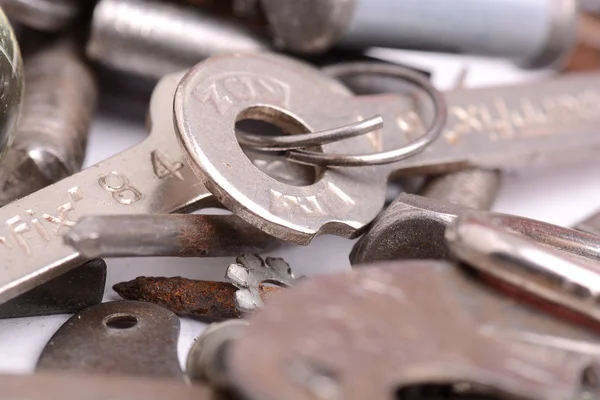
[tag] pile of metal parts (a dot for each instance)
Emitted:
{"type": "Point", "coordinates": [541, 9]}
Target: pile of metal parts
{"type": "Point", "coordinates": [271, 109]}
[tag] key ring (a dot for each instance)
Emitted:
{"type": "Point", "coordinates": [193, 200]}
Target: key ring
{"type": "Point", "coordinates": [384, 157]}
{"type": "Point", "coordinates": [290, 142]}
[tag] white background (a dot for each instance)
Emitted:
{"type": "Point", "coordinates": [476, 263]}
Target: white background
{"type": "Point", "coordinates": [561, 194]}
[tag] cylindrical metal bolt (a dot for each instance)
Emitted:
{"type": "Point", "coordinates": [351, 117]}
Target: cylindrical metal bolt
{"type": "Point", "coordinates": [44, 15]}
{"type": "Point", "coordinates": [536, 33]}
{"type": "Point", "coordinates": [153, 39]}
{"type": "Point", "coordinates": [53, 128]}
{"type": "Point", "coordinates": [475, 188]}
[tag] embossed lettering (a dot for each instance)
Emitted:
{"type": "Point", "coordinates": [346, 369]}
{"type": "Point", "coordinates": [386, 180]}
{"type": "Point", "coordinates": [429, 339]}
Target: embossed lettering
{"type": "Point", "coordinates": [164, 168]}
{"type": "Point", "coordinates": [227, 89]}
{"type": "Point", "coordinates": [119, 186]}
{"type": "Point", "coordinates": [528, 118]}
{"type": "Point", "coordinates": [38, 226]}
{"type": "Point", "coordinates": [63, 218]}
{"type": "Point", "coordinates": [332, 201]}
{"type": "Point", "coordinates": [17, 228]}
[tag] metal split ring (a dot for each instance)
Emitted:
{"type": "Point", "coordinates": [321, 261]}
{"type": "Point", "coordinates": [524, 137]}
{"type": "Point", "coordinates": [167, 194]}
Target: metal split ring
{"type": "Point", "coordinates": [384, 157]}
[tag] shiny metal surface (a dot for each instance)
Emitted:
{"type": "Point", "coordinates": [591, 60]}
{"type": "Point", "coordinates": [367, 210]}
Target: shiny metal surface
{"type": "Point", "coordinates": [167, 235]}
{"type": "Point", "coordinates": [11, 74]}
{"type": "Point", "coordinates": [206, 361]}
{"type": "Point", "coordinates": [373, 332]}
{"type": "Point", "coordinates": [51, 136]}
{"type": "Point", "coordinates": [131, 338]}
{"type": "Point", "coordinates": [209, 101]}
{"type": "Point", "coordinates": [152, 39]}
{"type": "Point", "coordinates": [311, 26]}
{"type": "Point", "coordinates": [151, 177]}
{"type": "Point", "coordinates": [44, 15]}
{"type": "Point", "coordinates": [250, 272]}
{"type": "Point", "coordinates": [531, 124]}
{"type": "Point", "coordinates": [485, 242]}
{"type": "Point", "coordinates": [590, 225]}
{"type": "Point", "coordinates": [546, 34]}
{"type": "Point", "coordinates": [414, 227]}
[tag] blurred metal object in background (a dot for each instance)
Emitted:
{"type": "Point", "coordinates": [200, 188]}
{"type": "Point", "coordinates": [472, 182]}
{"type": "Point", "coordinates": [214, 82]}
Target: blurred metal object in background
{"type": "Point", "coordinates": [536, 33]}
{"type": "Point", "coordinates": [474, 188]}
{"type": "Point", "coordinates": [44, 15]}
{"type": "Point", "coordinates": [152, 39]}
{"type": "Point", "coordinates": [52, 132]}
{"type": "Point", "coordinates": [11, 82]}
{"type": "Point", "coordinates": [586, 54]}
{"type": "Point", "coordinates": [308, 26]}
{"type": "Point", "coordinates": [592, 6]}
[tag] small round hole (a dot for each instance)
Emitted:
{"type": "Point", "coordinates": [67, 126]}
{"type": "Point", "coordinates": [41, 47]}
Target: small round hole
{"type": "Point", "coordinates": [120, 321]}
{"type": "Point", "coordinates": [271, 122]}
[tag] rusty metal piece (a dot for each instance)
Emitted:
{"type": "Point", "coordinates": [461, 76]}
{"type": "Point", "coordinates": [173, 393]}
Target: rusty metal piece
{"type": "Point", "coordinates": [188, 297]}
{"type": "Point", "coordinates": [70, 292]}
{"type": "Point", "coordinates": [120, 337]}
{"type": "Point", "coordinates": [377, 332]}
{"type": "Point", "coordinates": [77, 386]}
{"type": "Point", "coordinates": [475, 188]}
{"type": "Point", "coordinates": [185, 297]}
{"type": "Point", "coordinates": [166, 235]}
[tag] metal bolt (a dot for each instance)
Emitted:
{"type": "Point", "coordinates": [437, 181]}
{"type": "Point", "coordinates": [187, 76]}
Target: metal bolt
{"type": "Point", "coordinates": [153, 39]}
{"type": "Point", "coordinates": [44, 15]}
{"type": "Point", "coordinates": [53, 127]}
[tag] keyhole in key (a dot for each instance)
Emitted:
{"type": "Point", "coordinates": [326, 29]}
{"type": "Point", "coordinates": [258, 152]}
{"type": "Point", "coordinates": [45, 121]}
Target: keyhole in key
{"type": "Point", "coordinates": [121, 321]}
{"type": "Point", "coordinates": [271, 122]}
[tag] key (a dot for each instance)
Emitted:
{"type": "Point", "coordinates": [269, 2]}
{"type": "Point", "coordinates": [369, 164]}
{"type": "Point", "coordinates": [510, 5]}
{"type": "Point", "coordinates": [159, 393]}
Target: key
{"type": "Point", "coordinates": [486, 128]}
{"type": "Point", "coordinates": [150, 178]}
{"type": "Point", "coordinates": [414, 227]}
{"type": "Point", "coordinates": [398, 327]}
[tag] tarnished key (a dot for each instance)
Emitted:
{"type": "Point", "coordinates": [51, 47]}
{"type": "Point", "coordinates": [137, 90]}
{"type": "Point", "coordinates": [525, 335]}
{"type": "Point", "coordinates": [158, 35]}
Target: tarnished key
{"type": "Point", "coordinates": [401, 327]}
{"type": "Point", "coordinates": [488, 128]}
{"type": "Point", "coordinates": [151, 177]}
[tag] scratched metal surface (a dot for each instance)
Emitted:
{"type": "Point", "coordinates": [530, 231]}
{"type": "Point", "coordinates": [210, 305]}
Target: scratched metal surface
{"type": "Point", "coordinates": [562, 194]}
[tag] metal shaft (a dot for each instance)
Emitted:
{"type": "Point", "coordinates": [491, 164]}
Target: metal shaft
{"type": "Point", "coordinates": [474, 188]}
{"type": "Point", "coordinates": [176, 235]}
{"type": "Point", "coordinates": [44, 15]}
{"type": "Point", "coordinates": [537, 33]}
{"type": "Point", "coordinates": [52, 132]}
{"type": "Point", "coordinates": [153, 39]}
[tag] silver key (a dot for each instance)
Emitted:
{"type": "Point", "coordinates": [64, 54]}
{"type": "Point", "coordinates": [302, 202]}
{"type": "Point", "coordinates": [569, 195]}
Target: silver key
{"type": "Point", "coordinates": [487, 128]}
{"type": "Point", "coordinates": [150, 178]}
{"type": "Point", "coordinates": [385, 329]}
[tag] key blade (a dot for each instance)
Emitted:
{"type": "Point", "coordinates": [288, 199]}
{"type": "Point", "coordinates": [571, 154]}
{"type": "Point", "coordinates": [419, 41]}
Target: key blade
{"type": "Point", "coordinates": [150, 178]}
{"type": "Point", "coordinates": [529, 124]}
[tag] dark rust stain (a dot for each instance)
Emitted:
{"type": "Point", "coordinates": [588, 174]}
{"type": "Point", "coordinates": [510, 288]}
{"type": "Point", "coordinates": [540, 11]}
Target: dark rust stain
{"type": "Point", "coordinates": [185, 297]}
